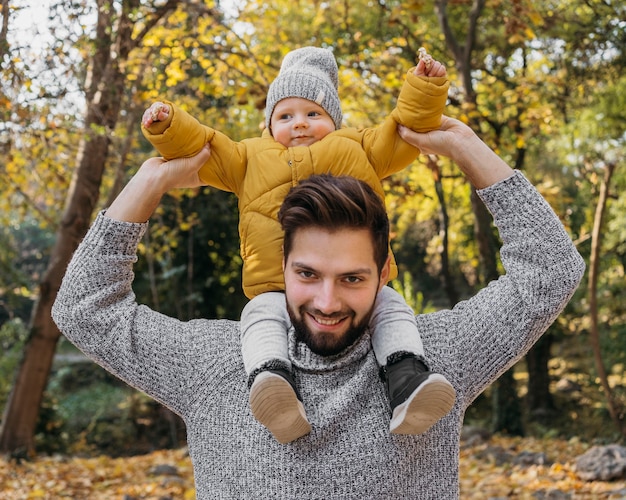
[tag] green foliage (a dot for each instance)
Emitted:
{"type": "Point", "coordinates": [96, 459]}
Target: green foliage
{"type": "Point", "coordinates": [191, 266]}
{"type": "Point", "coordinates": [93, 417]}
{"type": "Point", "coordinates": [614, 348]}
{"type": "Point", "coordinates": [23, 259]}
{"type": "Point", "coordinates": [12, 337]}
{"type": "Point", "coordinates": [88, 411]}
{"type": "Point", "coordinates": [414, 299]}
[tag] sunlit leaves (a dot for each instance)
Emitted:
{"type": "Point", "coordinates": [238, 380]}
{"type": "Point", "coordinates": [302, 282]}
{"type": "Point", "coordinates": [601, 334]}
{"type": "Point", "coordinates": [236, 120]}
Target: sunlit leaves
{"type": "Point", "coordinates": [100, 478]}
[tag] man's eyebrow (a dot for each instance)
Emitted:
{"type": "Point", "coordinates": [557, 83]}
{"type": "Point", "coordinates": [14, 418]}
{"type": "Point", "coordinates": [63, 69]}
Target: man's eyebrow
{"type": "Point", "coordinates": [353, 272]}
{"type": "Point", "coordinates": [364, 270]}
{"type": "Point", "coordinates": [301, 265]}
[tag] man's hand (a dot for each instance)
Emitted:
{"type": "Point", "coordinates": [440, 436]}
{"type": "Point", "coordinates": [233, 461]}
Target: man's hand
{"type": "Point", "coordinates": [157, 112]}
{"type": "Point", "coordinates": [179, 172]}
{"type": "Point", "coordinates": [155, 177]}
{"type": "Point", "coordinates": [442, 141]}
{"type": "Point", "coordinates": [457, 141]}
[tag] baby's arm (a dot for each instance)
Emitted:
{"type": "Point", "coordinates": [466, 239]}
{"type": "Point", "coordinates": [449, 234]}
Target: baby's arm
{"type": "Point", "coordinates": [173, 132]}
{"type": "Point", "coordinates": [420, 106]}
{"type": "Point", "coordinates": [423, 96]}
{"type": "Point", "coordinates": [176, 134]}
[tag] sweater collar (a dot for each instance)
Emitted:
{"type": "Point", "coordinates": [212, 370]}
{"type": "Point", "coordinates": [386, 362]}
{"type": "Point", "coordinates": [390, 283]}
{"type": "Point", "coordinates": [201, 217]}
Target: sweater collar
{"type": "Point", "coordinates": [304, 359]}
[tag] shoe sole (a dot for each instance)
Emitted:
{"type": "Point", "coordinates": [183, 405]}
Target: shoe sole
{"type": "Point", "coordinates": [275, 405]}
{"type": "Point", "coordinates": [431, 401]}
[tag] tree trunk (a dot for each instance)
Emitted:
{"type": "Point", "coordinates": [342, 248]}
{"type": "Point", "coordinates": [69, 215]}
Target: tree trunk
{"type": "Point", "coordinates": [104, 92]}
{"type": "Point", "coordinates": [594, 264]}
{"type": "Point", "coordinates": [444, 223]}
{"type": "Point", "coordinates": [507, 415]}
{"type": "Point", "coordinates": [4, 29]}
{"type": "Point", "coordinates": [22, 409]}
{"type": "Point", "coordinates": [485, 240]}
{"type": "Point", "coordinates": [539, 400]}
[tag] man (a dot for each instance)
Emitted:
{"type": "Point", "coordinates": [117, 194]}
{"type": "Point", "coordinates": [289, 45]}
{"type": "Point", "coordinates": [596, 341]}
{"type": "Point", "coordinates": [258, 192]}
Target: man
{"type": "Point", "coordinates": [331, 276]}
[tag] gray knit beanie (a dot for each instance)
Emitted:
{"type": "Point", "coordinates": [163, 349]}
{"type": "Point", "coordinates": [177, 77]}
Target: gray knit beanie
{"type": "Point", "coordinates": [310, 73]}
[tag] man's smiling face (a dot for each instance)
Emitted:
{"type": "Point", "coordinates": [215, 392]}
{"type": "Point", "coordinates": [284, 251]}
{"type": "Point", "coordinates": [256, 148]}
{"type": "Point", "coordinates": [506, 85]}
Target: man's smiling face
{"type": "Point", "coordinates": [331, 283]}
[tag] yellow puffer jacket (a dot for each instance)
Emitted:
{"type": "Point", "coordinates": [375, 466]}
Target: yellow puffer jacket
{"type": "Point", "coordinates": [260, 171]}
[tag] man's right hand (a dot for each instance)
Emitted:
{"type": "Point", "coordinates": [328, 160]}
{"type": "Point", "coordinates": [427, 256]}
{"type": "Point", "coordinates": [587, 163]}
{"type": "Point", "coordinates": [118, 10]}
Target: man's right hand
{"type": "Point", "coordinates": [179, 172]}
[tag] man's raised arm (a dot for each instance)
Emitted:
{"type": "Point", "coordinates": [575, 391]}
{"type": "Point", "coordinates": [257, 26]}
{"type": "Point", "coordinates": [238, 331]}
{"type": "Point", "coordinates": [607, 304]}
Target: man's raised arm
{"type": "Point", "coordinates": [488, 333]}
{"type": "Point", "coordinates": [95, 307]}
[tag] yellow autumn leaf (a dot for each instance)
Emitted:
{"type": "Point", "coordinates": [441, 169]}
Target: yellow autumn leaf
{"type": "Point", "coordinates": [536, 18]}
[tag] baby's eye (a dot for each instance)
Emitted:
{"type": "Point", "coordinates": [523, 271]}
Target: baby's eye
{"type": "Point", "coordinates": [284, 116]}
{"type": "Point", "coordinates": [314, 113]}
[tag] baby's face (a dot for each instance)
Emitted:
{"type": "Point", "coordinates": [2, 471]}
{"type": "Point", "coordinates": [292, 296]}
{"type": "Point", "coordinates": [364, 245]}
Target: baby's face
{"type": "Point", "coordinates": [300, 122]}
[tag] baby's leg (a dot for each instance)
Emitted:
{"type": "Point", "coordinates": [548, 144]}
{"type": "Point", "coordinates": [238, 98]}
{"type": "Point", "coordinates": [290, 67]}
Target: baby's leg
{"type": "Point", "coordinates": [394, 329]}
{"type": "Point", "coordinates": [274, 399]}
{"type": "Point", "coordinates": [264, 327]}
{"type": "Point", "coordinates": [418, 397]}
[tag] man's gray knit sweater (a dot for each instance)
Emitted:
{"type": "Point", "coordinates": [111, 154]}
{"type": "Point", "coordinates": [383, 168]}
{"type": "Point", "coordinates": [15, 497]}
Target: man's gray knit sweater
{"type": "Point", "coordinates": [195, 367]}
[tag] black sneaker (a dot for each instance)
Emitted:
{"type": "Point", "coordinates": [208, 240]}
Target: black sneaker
{"type": "Point", "coordinates": [418, 397]}
{"type": "Point", "coordinates": [276, 404]}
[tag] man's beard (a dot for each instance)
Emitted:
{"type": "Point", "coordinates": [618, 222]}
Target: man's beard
{"type": "Point", "coordinates": [327, 345]}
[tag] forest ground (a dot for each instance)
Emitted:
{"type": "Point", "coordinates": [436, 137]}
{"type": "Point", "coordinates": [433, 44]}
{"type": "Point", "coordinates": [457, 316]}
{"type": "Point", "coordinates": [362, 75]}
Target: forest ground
{"type": "Point", "coordinates": [489, 470]}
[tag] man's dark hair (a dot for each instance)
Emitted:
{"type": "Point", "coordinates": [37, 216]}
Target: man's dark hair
{"type": "Point", "coordinates": [333, 203]}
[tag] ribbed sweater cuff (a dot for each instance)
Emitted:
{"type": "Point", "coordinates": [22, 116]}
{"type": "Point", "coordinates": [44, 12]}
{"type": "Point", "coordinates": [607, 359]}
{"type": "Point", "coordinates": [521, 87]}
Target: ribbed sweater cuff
{"type": "Point", "coordinates": [111, 236]}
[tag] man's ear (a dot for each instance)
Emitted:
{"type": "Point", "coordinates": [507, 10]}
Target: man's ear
{"type": "Point", "coordinates": [384, 273]}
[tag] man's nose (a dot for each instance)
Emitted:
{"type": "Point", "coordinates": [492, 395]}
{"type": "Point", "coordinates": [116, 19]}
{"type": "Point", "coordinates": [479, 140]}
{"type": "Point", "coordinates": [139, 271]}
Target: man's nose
{"type": "Point", "coordinates": [328, 300]}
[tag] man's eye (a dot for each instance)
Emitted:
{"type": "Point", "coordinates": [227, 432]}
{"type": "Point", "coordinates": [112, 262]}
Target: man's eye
{"type": "Point", "coordinates": [353, 279]}
{"type": "Point", "coordinates": [306, 274]}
